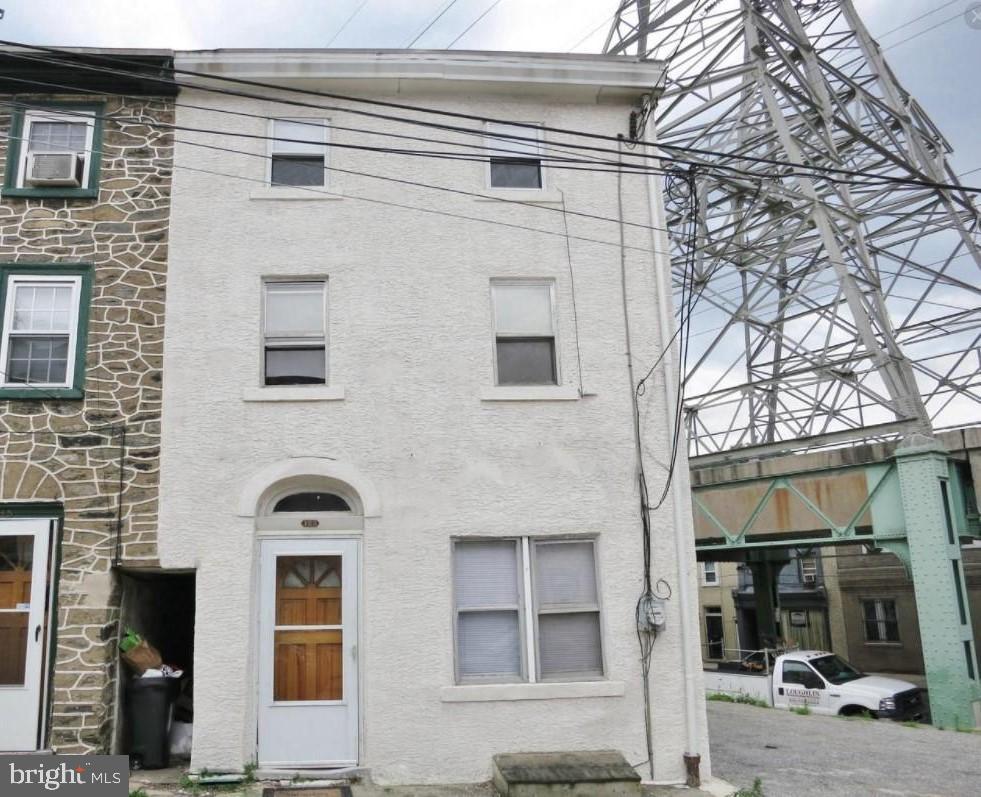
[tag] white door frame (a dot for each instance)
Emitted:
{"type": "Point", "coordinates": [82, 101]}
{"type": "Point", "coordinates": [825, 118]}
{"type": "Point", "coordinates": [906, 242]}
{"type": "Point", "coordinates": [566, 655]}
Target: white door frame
{"type": "Point", "coordinates": [38, 664]}
{"type": "Point", "coordinates": [354, 536]}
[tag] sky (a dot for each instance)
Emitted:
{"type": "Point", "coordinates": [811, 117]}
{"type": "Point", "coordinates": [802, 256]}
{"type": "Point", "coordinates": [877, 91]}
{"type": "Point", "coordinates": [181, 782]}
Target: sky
{"type": "Point", "coordinates": [929, 44]}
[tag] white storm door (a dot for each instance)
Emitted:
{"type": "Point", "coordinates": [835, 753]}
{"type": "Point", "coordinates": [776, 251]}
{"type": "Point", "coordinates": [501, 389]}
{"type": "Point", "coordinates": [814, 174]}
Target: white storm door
{"type": "Point", "coordinates": [308, 669]}
{"type": "Point", "coordinates": [23, 595]}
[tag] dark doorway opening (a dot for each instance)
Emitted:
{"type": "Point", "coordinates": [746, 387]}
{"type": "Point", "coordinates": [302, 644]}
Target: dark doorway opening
{"type": "Point", "coordinates": [159, 605]}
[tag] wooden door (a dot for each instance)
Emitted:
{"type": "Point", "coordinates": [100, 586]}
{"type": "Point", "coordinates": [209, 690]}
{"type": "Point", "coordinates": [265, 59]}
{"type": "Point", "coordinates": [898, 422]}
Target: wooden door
{"type": "Point", "coordinates": [308, 632]}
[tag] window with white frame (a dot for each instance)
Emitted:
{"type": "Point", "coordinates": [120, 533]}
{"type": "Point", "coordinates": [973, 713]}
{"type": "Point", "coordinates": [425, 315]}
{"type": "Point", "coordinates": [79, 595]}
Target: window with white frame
{"type": "Point", "coordinates": [808, 570]}
{"type": "Point", "coordinates": [526, 610]}
{"type": "Point", "coordinates": [710, 573]}
{"type": "Point", "coordinates": [295, 332]}
{"type": "Point", "coordinates": [55, 149]}
{"type": "Point", "coordinates": [515, 155]}
{"type": "Point", "coordinates": [524, 332]}
{"type": "Point", "coordinates": [881, 622]}
{"type": "Point", "coordinates": [40, 330]}
{"type": "Point", "coordinates": [298, 152]}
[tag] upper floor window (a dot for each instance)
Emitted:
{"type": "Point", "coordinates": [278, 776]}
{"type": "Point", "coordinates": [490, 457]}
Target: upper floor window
{"type": "Point", "coordinates": [524, 332]}
{"type": "Point", "coordinates": [710, 573]}
{"type": "Point", "coordinates": [881, 623]}
{"type": "Point", "coordinates": [514, 162]}
{"type": "Point", "coordinates": [526, 610]}
{"type": "Point", "coordinates": [42, 341]}
{"type": "Point", "coordinates": [295, 333]}
{"type": "Point", "coordinates": [54, 151]}
{"type": "Point", "coordinates": [298, 152]}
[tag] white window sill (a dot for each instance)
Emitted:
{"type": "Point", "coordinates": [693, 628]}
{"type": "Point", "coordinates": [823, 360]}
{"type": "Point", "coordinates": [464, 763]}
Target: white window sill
{"type": "Point", "coordinates": [291, 393]}
{"type": "Point", "coordinates": [536, 195]}
{"type": "Point", "coordinates": [482, 693]}
{"type": "Point", "coordinates": [530, 393]}
{"type": "Point", "coordinates": [314, 193]}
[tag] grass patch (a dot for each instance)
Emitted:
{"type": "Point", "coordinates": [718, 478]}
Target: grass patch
{"type": "Point", "coordinates": [756, 790]}
{"type": "Point", "coordinates": [138, 793]}
{"type": "Point", "coordinates": [802, 710]}
{"type": "Point", "coordinates": [910, 724]}
{"type": "Point", "coordinates": [748, 700]}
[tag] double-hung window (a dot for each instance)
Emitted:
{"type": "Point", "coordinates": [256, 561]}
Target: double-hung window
{"type": "Point", "coordinates": [42, 346]}
{"type": "Point", "coordinates": [54, 151]}
{"type": "Point", "coordinates": [881, 622]}
{"type": "Point", "coordinates": [710, 573]}
{"type": "Point", "coordinates": [295, 333]}
{"type": "Point", "coordinates": [298, 152]}
{"type": "Point", "coordinates": [524, 332]}
{"type": "Point", "coordinates": [515, 155]}
{"type": "Point", "coordinates": [527, 610]}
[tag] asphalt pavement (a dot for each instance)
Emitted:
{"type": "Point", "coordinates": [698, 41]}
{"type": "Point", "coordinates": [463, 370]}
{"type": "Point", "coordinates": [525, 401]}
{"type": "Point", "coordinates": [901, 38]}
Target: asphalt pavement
{"type": "Point", "coordinates": [805, 756]}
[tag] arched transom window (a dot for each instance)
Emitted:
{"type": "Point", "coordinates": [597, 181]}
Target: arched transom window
{"type": "Point", "coordinates": [312, 502]}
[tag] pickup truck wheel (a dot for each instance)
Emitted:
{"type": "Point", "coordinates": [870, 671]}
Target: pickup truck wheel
{"type": "Point", "coordinates": [856, 711]}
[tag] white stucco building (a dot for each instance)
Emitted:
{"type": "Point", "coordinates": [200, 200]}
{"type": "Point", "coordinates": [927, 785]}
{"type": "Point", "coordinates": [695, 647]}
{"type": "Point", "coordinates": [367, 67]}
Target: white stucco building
{"type": "Point", "coordinates": [398, 440]}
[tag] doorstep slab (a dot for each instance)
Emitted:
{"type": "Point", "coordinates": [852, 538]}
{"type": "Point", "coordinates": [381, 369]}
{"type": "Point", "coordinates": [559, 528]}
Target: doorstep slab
{"type": "Point", "coordinates": [601, 773]}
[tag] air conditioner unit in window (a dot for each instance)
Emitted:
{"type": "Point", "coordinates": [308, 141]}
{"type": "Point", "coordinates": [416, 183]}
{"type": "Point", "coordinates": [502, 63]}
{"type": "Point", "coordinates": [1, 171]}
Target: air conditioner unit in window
{"type": "Point", "coordinates": [55, 168]}
{"type": "Point", "coordinates": [810, 578]}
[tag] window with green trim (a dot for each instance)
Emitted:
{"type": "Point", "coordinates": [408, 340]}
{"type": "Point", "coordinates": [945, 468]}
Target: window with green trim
{"type": "Point", "coordinates": [54, 151]}
{"type": "Point", "coordinates": [42, 331]}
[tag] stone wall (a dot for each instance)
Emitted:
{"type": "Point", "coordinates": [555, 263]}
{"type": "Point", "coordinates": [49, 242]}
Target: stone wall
{"type": "Point", "coordinates": [70, 451]}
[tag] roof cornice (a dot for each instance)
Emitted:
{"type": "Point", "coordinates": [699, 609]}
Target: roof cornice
{"type": "Point", "coordinates": [600, 73]}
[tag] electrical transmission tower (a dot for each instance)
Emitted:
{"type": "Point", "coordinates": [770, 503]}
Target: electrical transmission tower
{"type": "Point", "coordinates": [832, 305]}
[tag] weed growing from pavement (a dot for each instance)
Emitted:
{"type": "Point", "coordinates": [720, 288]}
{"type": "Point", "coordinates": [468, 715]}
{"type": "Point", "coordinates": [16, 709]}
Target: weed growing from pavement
{"type": "Point", "coordinates": [138, 793]}
{"type": "Point", "coordinates": [756, 790]}
{"type": "Point", "coordinates": [911, 724]}
{"type": "Point", "coordinates": [722, 697]}
{"type": "Point", "coordinates": [802, 710]}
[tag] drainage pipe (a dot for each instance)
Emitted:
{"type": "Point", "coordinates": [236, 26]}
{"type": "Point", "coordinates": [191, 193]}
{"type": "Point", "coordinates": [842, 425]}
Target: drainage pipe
{"type": "Point", "coordinates": [682, 532]}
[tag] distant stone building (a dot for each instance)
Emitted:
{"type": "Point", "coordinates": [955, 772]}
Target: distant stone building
{"type": "Point", "coordinates": [84, 215]}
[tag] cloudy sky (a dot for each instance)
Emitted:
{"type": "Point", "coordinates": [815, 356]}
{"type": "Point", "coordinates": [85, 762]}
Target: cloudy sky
{"type": "Point", "coordinates": [939, 65]}
{"type": "Point", "coordinates": [934, 51]}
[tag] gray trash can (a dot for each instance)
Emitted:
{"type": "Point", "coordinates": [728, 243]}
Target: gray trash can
{"type": "Point", "coordinates": [149, 708]}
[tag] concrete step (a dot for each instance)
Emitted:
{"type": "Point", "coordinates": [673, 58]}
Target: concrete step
{"type": "Point", "coordinates": [603, 773]}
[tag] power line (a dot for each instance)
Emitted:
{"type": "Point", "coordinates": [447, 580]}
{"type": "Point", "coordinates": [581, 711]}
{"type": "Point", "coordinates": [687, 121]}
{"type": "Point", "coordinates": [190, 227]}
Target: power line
{"type": "Point", "coordinates": [473, 24]}
{"type": "Point", "coordinates": [825, 171]}
{"type": "Point", "coordinates": [943, 22]}
{"type": "Point", "coordinates": [313, 190]}
{"type": "Point", "coordinates": [433, 154]}
{"type": "Point", "coordinates": [432, 22]}
{"type": "Point", "coordinates": [917, 19]}
{"type": "Point", "coordinates": [347, 22]}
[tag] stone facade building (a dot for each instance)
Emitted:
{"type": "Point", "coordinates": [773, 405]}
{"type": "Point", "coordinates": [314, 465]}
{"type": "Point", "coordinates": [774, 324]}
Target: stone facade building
{"type": "Point", "coordinates": [83, 269]}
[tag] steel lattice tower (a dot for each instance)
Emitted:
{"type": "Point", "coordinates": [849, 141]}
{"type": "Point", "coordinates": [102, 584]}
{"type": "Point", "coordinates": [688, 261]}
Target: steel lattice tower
{"type": "Point", "coordinates": [828, 310]}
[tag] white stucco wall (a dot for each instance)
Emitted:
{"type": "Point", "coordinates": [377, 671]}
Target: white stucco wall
{"type": "Point", "coordinates": [410, 342]}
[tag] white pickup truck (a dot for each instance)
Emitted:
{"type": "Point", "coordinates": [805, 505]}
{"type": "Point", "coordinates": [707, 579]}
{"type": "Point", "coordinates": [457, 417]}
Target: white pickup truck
{"type": "Point", "coordinates": [822, 681]}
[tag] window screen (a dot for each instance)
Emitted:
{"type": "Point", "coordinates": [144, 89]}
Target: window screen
{"type": "Point", "coordinates": [514, 161]}
{"type": "Point", "coordinates": [488, 603]}
{"type": "Point", "coordinates": [295, 333]}
{"type": "Point", "coordinates": [299, 152]}
{"type": "Point", "coordinates": [524, 333]}
{"type": "Point", "coordinates": [567, 602]}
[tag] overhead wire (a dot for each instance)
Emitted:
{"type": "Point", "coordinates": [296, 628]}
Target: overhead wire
{"type": "Point", "coordinates": [473, 24]}
{"type": "Point", "coordinates": [432, 22]}
{"type": "Point", "coordinates": [826, 171]}
{"type": "Point", "coordinates": [347, 22]}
